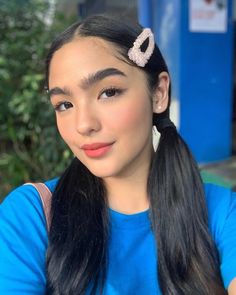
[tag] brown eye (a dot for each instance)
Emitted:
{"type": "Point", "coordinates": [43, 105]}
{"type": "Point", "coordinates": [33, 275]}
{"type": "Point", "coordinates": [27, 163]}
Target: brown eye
{"type": "Point", "coordinates": [110, 92]}
{"type": "Point", "coordinates": [63, 106]}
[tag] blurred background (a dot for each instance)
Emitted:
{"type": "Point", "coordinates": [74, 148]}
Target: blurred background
{"type": "Point", "coordinates": [196, 38]}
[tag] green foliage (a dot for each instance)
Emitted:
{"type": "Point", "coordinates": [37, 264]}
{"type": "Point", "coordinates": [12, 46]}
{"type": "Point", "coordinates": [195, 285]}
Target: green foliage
{"type": "Point", "coordinates": [30, 147]}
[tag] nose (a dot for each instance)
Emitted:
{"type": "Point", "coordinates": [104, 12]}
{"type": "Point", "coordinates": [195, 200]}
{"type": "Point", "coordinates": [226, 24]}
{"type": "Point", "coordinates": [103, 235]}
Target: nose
{"type": "Point", "coordinates": [87, 120]}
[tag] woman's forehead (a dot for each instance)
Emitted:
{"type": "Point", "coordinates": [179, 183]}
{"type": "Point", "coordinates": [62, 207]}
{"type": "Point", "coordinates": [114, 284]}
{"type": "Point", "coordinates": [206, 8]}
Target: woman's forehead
{"type": "Point", "coordinates": [85, 55]}
{"type": "Point", "coordinates": [83, 48]}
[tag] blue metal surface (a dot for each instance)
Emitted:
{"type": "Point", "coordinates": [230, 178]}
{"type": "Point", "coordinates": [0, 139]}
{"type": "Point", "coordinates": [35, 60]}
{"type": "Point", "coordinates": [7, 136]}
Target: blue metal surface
{"type": "Point", "coordinates": [206, 89]}
{"type": "Point", "coordinates": [145, 13]}
{"type": "Point", "coordinates": [167, 29]}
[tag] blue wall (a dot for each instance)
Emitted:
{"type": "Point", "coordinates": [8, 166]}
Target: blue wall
{"type": "Point", "coordinates": [201, 68]}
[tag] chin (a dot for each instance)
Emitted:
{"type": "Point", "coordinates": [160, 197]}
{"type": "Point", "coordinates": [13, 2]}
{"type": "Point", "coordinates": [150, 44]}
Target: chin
{"type": "Point", "coordinates": [104, 172]}
{"type": "Point", "coordinates": [103, 168]}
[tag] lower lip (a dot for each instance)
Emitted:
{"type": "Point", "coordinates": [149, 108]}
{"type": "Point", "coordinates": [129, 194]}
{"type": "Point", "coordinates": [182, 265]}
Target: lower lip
{"type": "Point", "coordinates": [98, 152]}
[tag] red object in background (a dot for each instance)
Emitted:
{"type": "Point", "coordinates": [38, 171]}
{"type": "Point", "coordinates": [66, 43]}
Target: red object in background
{"type": "Point", "coordinates": [208, 1]}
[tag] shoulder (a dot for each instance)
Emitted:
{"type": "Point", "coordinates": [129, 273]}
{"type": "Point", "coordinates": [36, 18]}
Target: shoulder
{"type": "Point", "coordinates": [51, 184]}
{"type": "Point", "coordinates": [22, 212]}
{"type": "Point", "coordinates": [23, 241]}
{"type": "Point", "coordinates": [25, 201]}
{"type": "Point", "coordinates": [221, 203]}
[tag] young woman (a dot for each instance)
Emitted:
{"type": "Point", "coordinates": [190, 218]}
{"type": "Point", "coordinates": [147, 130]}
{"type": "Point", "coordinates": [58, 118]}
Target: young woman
{"type": "Point", "coordinates": [124, 219]}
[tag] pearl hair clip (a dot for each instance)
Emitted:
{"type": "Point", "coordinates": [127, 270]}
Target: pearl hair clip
{"type": "Point", "coordinates": [135, 53]}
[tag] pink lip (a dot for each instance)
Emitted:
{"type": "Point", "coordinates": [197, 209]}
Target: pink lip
{"type": "Point", "coordinates": [96, 150]}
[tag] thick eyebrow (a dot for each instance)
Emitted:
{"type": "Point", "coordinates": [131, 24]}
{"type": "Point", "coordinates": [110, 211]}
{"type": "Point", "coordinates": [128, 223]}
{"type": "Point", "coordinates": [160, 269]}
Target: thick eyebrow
{"type": "Point", "coordinates": [100, 75]}
{"type": "Point", "coordinates": [88, 81]}
{"type": "Point", "coordinates": [58, 91]}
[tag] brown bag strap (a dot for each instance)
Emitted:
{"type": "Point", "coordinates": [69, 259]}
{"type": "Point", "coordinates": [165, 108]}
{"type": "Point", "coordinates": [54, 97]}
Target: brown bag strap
{"type": "Point", "coordinates": [46, 198]}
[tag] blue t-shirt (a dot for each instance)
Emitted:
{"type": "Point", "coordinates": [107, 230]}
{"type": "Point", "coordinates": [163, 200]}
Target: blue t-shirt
{"type": "Point", "coordinates": [132, 249]}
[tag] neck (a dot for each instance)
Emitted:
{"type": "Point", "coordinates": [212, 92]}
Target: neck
{"type": "Point", "coordinates": [128, 194]}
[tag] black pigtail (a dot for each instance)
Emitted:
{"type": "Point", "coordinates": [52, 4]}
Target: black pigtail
{"type": "Point", "coordinates": [76, 257]}
{"type": "Point", "coordinates": [187, 257]}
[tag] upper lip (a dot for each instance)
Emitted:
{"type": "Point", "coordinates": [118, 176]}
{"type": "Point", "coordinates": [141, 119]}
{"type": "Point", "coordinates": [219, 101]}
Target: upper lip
{"type": "Point", "coordinates": [95, 146]}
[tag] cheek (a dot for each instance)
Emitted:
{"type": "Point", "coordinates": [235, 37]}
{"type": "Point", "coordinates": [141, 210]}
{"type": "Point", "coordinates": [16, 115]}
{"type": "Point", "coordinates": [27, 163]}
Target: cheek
{"type": "Point", "coordinates": [131, 117]}
{"type": "Point", "coordinates": [65, 129]}
{"type": "Point", "coordinates": [128, 120]}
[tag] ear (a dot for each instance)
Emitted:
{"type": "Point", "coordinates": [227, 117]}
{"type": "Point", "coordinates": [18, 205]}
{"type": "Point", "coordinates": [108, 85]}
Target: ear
{"type": "Point", "coordinates": [161, 93]}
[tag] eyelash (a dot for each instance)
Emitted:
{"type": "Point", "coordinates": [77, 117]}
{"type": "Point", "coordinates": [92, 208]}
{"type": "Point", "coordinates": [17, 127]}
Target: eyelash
{"type": "Point", "coordinates": [68, 105]}
{"type": "Point", "coordinates": [117, 91]}
{"type": "Point", "coordinates": [60, 104]}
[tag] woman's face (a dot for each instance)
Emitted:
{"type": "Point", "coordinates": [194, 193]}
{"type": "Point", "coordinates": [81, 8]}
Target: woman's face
{"type": "Point", "coordinates": [103, 107]}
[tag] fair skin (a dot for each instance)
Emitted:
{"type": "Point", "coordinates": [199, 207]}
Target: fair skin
{"type": "Point", "coordinates": [232, 287]}
{"type": "Point", "coordinates": [117, 109]}
{"type": "Point", "coordinates": [114, 109]}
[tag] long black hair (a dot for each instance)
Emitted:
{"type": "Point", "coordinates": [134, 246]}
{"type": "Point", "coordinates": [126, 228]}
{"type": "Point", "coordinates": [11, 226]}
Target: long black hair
{"type": "Point", "coordinates": [78, 239]}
